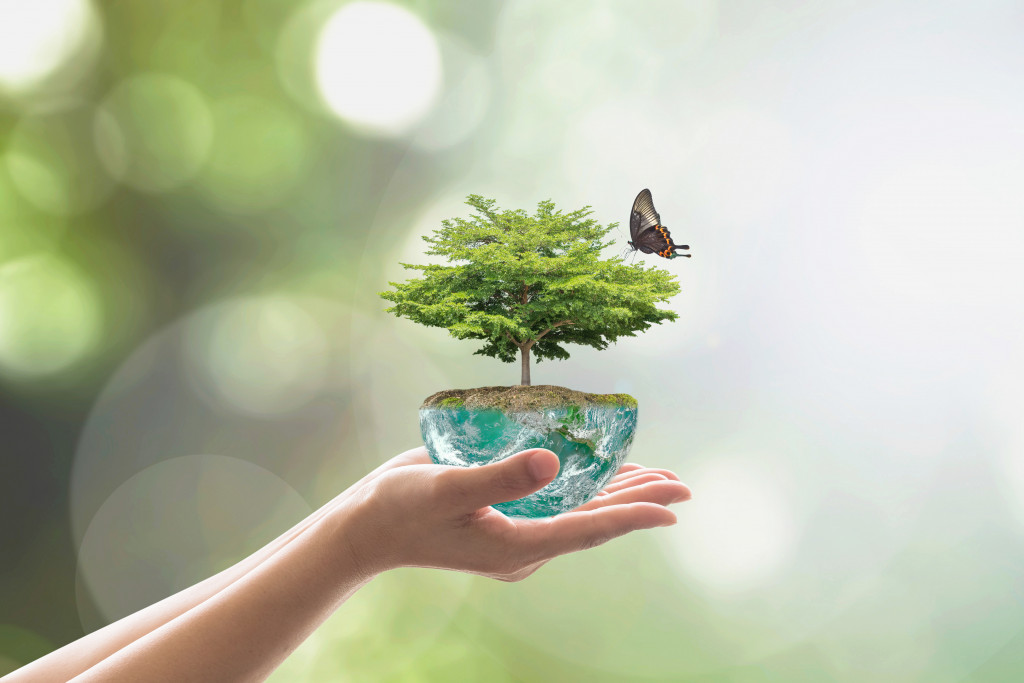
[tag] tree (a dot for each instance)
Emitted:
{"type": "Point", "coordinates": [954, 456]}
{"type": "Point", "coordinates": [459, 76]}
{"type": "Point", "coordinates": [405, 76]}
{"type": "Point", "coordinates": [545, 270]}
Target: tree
{"type": "Point", "coordinates": [530, 284]}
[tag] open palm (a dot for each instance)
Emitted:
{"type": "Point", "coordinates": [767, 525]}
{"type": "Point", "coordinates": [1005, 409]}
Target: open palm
{"type": "Point", "coordinates": [426, 515]}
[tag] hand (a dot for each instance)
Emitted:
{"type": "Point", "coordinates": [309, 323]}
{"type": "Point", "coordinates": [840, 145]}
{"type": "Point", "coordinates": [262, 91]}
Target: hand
{"type": "Point", "coordinates": [411, 513]}
{"type": "Point", "coordinates": [240, 623]}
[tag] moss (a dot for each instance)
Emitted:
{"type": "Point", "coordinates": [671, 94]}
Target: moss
{"type": "Point", "coordinates": [451, 402]}
{"type": "Point", "coordinates": [519, 398]}
{"type": "Point", "coordinates": [625, 400]}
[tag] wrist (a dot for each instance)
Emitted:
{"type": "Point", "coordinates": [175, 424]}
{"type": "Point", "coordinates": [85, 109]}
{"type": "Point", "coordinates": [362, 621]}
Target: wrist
{"type": "Point", "coordinates": [362, 539]}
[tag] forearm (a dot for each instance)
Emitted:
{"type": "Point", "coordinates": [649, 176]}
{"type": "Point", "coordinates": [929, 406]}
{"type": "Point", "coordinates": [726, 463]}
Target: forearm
{"type": "Point", "coordinates": [244, 631]}
{"type": "Point", "coordinates": [74, 658]}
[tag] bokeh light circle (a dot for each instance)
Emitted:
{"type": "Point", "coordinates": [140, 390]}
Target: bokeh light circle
{"type": "Point", "coordinates": [38, 37]}
{"type": "Point", "coordinates": [378, 67]}
{"type": "Point", "coordinates": [258, 155]}
{"type": "Point", "coordinates": [177, 522]}
{"type": "Point", "coordinates": [156, 132]}
{"type": "Point", "coordinates": [740, 530]}
{"type": "Point", "coordinates": [52, 160]}
{"type": "Point", "coordinates": [50, 316]}
{"type": "Point", "coordinates": [263, 355]}
{"type": "Point", "coordinates": [155, 407]}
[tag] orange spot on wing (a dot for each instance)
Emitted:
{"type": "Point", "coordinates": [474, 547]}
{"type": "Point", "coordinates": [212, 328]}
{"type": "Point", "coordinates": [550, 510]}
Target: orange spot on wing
{"type": "Point", "coordinates": [664, 233]}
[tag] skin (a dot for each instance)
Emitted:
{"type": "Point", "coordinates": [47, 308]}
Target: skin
{"type": "Point", "coordinates": [240, 624]}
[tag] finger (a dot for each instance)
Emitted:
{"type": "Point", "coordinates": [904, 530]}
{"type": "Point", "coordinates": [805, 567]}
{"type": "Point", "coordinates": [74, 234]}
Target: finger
{"type": "Point", "coordinates": [620, 476]}
{"type": "Point", "coordinates": [662, 492]}
{"type": "Point", "coordinates": [668, 474]}
{"type": "Point", "coordinates": [622, 473]}
{"type": "Point", "coordinates": [472, 488]}
{"type": "Point", "coordinates": [640, 478]}
{"type": "Point", "coordinates": [573, 531]}
{"type": "Point", "coordinates": [625, 471]}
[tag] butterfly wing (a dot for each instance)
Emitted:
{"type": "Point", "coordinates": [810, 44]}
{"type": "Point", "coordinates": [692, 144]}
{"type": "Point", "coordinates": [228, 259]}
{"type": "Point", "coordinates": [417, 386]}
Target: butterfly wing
{"type": "Point", "coordinates": [643, 218]}
{"type": "Point", "coordinates": [655, 241]}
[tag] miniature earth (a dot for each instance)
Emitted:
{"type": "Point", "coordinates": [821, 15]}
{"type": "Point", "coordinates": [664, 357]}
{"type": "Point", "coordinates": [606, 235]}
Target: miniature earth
{"type": "Point", "coordinates": [590, 433]}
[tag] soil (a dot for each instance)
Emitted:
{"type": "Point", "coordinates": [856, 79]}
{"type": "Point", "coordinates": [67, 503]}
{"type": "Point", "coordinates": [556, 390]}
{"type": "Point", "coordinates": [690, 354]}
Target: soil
{"type": "Point", "coordinates": [520, 398]}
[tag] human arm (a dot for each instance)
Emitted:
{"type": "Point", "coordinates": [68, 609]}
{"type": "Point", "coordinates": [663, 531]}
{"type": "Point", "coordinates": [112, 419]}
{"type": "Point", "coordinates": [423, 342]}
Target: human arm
{"type": "Point", "coordinates": [264, 607]}
{"type": "Point", "coordinates": [76, 657]}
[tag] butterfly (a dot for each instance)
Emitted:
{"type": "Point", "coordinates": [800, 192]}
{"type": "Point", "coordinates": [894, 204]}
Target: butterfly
{"type": "Point", "coordinates": [647, 233]}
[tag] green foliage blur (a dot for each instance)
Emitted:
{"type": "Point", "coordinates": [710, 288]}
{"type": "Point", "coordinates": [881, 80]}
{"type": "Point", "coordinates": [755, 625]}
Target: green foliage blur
{"type": "Point", "coordinates": [176, 155]}
{"type": "Point", "coordinates": [530, 284]}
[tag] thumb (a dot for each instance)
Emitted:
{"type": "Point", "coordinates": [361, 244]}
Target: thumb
{"type": "Point", "coordinates": [472, 488]}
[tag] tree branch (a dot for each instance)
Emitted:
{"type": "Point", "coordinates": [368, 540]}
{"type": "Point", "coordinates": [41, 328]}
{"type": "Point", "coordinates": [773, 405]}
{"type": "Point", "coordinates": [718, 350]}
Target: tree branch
{"type": "Point", "coordinates": [558, 324]}
{"type": "Point", "coordinates": [513, 339]}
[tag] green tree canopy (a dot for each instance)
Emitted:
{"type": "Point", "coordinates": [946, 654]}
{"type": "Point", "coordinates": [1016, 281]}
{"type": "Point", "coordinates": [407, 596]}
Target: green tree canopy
{"type": "Point", "coordinates": [531, 284]}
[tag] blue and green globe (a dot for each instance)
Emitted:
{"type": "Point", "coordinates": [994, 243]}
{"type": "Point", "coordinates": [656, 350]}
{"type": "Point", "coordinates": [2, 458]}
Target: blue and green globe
{"type": "Point", "coordinates": [590, 433]}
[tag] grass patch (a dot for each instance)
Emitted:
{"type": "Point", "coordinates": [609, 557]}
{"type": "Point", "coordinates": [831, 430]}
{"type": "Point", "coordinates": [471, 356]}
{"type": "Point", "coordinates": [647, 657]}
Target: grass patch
{"type": "Point", "coordinates": [452, 402]}
{"type": "Point", "coordinates": [518, 398]}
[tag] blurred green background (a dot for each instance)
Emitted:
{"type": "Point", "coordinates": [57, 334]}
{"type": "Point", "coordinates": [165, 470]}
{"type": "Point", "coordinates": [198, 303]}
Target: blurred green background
{"type": "Point", "coordinates": [200, 200]}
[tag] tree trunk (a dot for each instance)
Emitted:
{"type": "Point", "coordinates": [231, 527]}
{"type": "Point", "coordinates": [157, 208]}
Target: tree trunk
{"type": "Point", "coordinates": [525, 352]}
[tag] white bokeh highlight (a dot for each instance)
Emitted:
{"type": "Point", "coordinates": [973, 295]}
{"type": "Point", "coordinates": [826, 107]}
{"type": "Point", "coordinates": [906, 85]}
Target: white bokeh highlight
{"type": "Point", "coordinates": [378, 67]}
{"type": "Point", "coordinates": [40, 36]}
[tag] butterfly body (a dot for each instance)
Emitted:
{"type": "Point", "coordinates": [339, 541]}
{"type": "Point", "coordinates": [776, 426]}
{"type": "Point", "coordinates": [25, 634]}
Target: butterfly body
{"type": "Point", "coordinates": [647, 233]}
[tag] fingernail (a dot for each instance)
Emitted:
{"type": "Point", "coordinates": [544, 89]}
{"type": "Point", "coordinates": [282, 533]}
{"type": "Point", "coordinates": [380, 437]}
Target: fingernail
{"type": "Point", "coordinates": [542, 467]}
